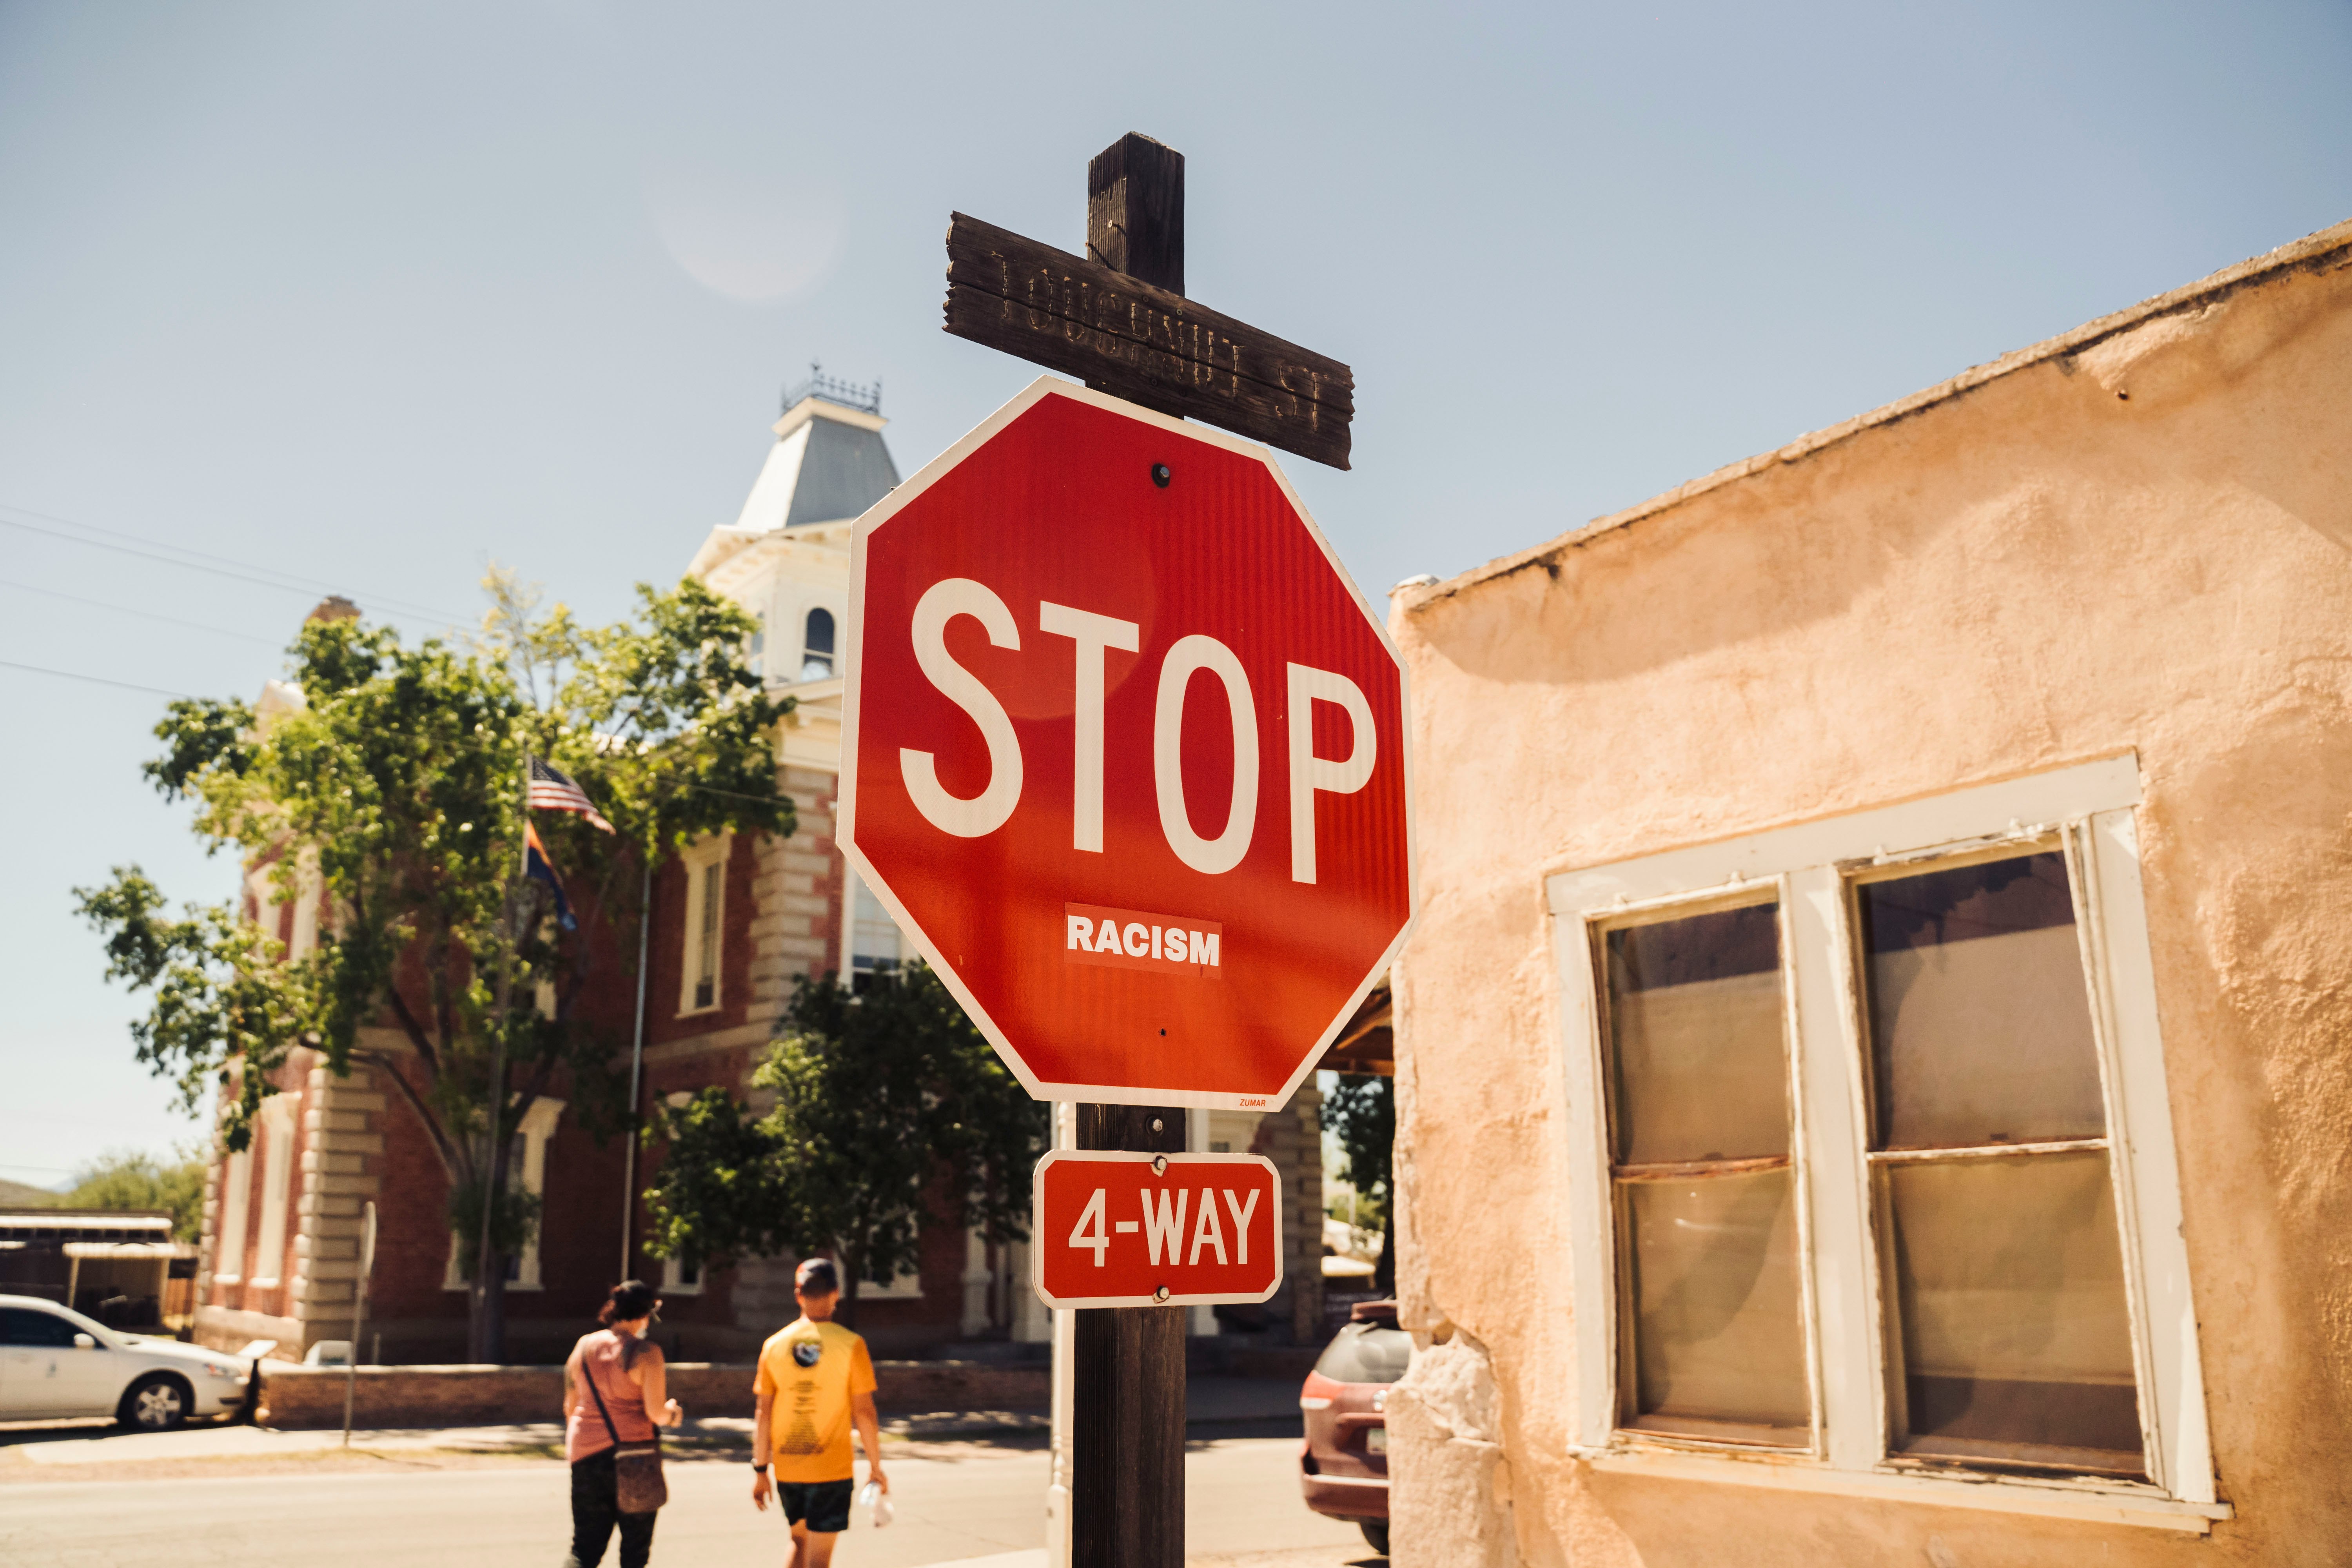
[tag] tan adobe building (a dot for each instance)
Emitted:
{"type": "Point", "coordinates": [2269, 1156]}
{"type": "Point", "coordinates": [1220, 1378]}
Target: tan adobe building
{"type": "Point", "coordinates": [1872, 1065]}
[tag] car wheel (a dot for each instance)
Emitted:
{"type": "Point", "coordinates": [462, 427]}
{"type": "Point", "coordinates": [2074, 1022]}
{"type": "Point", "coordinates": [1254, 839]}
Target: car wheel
{"type": "Point", "coordinates": [1375, 1531]}
{"type": "Point", "coordinates": [156, 1402]}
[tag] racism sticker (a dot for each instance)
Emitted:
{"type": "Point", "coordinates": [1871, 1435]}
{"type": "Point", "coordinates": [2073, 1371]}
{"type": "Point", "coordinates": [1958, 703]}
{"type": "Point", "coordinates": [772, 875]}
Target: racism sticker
{"type": "Point", "coordinates": [1132, 938]}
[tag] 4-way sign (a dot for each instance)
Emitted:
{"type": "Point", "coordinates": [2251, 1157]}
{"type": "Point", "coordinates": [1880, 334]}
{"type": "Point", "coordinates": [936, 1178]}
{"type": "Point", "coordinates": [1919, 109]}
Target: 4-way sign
{"type": "Point", "coordinates": [1116, 1228]}
{"type": "Point", "coordinates": [1126, 753]}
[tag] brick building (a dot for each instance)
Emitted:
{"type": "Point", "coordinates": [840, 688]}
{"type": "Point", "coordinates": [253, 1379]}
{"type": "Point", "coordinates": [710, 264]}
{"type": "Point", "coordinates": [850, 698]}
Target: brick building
{"type": "Point", "coordinates": [736, 922]}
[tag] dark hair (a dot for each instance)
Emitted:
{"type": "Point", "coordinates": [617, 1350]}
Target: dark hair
{"type": "Point", "coordinates": [630, 1300]}
{"type": "Point", "coordinates": [816, 1277]}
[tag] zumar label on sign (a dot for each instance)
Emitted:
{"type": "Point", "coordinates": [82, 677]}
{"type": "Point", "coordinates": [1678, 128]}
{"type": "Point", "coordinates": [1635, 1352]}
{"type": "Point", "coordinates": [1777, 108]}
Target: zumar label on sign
{"type": "Point", "coordinates": [1125, 754]}
{"type": "Point", "coordinates": [1113, 1228]}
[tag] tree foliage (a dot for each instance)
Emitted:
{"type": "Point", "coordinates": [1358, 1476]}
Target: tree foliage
{"type": "Point", "coordinates": [126, 1179]}
{"type": "Point", "coordinates": [889, 1107]}
{"type": "Point", "coordinates": [1360, 1113]}
{"type": "Point", "coordinates": [386, 792]}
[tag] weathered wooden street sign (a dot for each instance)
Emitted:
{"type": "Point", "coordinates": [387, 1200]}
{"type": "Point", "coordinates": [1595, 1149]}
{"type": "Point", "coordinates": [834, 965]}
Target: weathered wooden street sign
{"type": "Point", "coordinates": [1120, 1228]}
{"type": "Point", "coordinates": [1139, 336]}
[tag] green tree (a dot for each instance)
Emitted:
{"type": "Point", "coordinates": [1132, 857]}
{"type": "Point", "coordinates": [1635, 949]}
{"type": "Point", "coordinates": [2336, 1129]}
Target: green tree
{"type": "Point", "coordinates": [885, 1098]}
{"type": "Point", "coordinates": [391, 793]}
{"type": "Point", "coordinates": [126, 1179]}
{"type": "Point", "coordinates": [1360, 1112]}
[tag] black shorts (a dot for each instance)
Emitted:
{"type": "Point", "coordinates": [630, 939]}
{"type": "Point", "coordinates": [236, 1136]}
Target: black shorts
{"type": "Point", "coordinates": [825, 1504]}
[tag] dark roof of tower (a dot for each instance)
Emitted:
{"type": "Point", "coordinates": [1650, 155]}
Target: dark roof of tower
{"type": "Point", "coordinates": [845, 470]}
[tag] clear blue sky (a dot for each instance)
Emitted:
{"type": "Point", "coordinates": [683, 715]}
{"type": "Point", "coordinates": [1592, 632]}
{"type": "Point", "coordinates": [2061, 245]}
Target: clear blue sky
{"type": "Point", "coordinates": [373, 295]}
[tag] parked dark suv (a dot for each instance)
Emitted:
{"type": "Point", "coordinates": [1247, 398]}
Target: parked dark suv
{"type": "Point", "coordinates": [1343, 1468]}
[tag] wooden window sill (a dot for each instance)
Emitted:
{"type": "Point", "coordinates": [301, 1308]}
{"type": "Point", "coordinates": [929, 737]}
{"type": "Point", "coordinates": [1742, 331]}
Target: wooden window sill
{"type": "Point", "coordinates": [2092, 1500]}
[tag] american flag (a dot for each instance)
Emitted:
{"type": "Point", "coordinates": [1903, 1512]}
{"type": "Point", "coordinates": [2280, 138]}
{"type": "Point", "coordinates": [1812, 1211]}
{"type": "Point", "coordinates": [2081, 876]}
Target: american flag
{"type": "Point", "coordinates": [552, 789]}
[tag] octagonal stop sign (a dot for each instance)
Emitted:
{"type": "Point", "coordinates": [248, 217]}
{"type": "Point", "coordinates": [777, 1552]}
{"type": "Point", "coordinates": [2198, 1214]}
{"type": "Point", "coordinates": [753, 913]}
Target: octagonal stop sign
{"type": "Point", "coordinates": [1125, 753]}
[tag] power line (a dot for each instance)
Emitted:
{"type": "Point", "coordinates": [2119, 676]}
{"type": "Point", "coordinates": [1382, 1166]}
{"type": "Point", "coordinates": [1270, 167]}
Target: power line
{"type": "Point", "coordinates": [143, 615]}
{"type": "Point", "coordinates": [92, 680]}
{"type": "Point", "coordinates": [167, 560]}
{"type": "Point", "coordinates": [307, 585]}
{"type": "Point", "coordinates": [291, 582]}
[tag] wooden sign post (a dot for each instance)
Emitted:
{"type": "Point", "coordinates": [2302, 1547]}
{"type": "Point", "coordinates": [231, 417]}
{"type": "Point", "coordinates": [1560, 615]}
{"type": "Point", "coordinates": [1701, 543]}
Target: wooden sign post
{"type": "Point", "coordinates": [1119, 319]}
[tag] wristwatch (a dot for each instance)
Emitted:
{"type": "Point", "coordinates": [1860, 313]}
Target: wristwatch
{"type": "Point", "coordinates": [760, 1469]}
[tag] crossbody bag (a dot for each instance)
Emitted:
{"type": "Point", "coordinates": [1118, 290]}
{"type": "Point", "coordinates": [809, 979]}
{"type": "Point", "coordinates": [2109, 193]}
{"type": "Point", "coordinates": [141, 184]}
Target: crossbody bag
{"type": "Point", "coordinates": [636, 1467]}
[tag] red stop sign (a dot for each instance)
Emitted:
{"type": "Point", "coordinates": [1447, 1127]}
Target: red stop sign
{"type": "Point", "coordinates": [1125, 753]}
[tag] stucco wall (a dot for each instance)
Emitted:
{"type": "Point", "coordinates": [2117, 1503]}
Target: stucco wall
{"type": "Point", "coordinates": [2139, 543]}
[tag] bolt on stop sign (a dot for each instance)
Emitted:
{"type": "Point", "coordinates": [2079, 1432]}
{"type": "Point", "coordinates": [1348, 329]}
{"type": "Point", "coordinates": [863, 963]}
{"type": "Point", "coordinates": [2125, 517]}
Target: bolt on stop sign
{"type": "Point", "coordinates": [1125, 753]}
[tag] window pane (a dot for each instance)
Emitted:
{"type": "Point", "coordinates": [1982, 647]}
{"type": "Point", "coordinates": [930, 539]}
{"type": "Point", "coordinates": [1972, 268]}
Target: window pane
{"type": "Point", "coordinates": [23, 1326]}
{"type": "Point", "coordinates": [1718, 1350]}
{"type": "Point", "coordinates": [2016, 1339]}
{"type": "Point", "coordinates": [1695, 1026]}
{"type": "Point", "coordinates": [873, 941]}
{"type": "Point", "coordinates": [1366, 1352]}
{"type": "Point", "coordinates": [1979, 1024]}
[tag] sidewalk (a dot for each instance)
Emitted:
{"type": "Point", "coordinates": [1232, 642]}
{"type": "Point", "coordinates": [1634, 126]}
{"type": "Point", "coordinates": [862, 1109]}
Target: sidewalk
{"type": "Point", "coordinates": [1214, 1408]}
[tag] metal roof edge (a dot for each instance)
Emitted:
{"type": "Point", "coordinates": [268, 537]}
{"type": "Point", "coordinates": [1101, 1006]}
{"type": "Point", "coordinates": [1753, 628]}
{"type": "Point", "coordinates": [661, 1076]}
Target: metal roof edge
{"type": "Point", "coordinates": [2305, 254]}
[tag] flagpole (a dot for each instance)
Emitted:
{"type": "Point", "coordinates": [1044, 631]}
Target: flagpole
{"type": "Point", "coordinates": [636, 1071]}
{"type": "Point", "coordinates": [497, 1088]}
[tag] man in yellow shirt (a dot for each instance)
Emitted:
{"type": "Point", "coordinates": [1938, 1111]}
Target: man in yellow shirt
{"type": "Point", "coordinates": [814, 1380]}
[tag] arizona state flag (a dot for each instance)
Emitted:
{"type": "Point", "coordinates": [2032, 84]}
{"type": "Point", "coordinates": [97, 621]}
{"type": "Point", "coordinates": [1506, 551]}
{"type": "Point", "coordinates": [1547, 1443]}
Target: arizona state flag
{"type": "Point", "coordinates": [540, 868]}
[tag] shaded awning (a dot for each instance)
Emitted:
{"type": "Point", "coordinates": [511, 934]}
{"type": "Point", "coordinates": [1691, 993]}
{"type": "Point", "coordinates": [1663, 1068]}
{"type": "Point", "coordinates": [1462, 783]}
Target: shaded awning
{"type": "Point", "coordinates": [69, 1225]}
{"type": "Point", "coordinates": [1366, 1044]}
{"type": "Point", "coordinates": [164, 1250]}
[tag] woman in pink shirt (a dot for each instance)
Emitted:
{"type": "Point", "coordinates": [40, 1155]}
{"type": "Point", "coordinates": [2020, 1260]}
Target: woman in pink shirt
{"type": "Point", "coordinates": [626, 1368]}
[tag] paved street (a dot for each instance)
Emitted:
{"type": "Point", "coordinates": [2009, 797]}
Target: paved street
{"type": "Point", "coordinates": [255, 1498]}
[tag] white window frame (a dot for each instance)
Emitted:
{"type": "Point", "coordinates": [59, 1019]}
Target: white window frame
{"type": "Point", "coordinates": [307, 886]}
{"type": "Point", "coordinates": [2088, 808]}
{"type": "Point", "coordinates": [229, 1228]}
{"type": "Point", "coordinates": [706, 858]}
{"type": "Point", "coordinates": [277, 1125]}
{"type": "Point", "coordinates": [853, 945]}
{"type": "Point", "coordinates": [905, 1287]}
{"type": "Point", "coordinates": [536, 1130]}
{"type": "Point", "coordinates": [676, 1283]}
{"type": "Point", "coordinates": [673, 1279]}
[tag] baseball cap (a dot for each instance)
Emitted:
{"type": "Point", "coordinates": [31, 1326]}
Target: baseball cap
{"type": "Point", "coordinates": [816, 1277]}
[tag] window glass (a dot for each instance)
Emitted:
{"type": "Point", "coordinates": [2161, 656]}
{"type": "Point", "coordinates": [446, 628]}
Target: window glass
{"type": "Point", "coordinates": [816, 647]}
{"type": "Point", "coordinates": [2007, 1288]}
{"type": "Point", "coordinates": [1710, 1319]}
{"type": "Point", "coordinates": [2016, 1342]}
{"type": "Point", "coordinates": [1695, 1030]}
{"type": "Point", "coordinates": [24, 1326]}
{"type": "Point", "coordinates": [1979, 1022]}
{"type": "Point", "coordinates": [706, 968]}
{"type": "Point", "coordinates": [1714, 1302]}
{"type": "Point", "coordinates": [1366, 1352]}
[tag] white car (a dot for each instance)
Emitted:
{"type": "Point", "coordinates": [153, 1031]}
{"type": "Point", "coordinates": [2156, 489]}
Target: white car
{"type": "Point", "coordinates": [54, 1363]}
